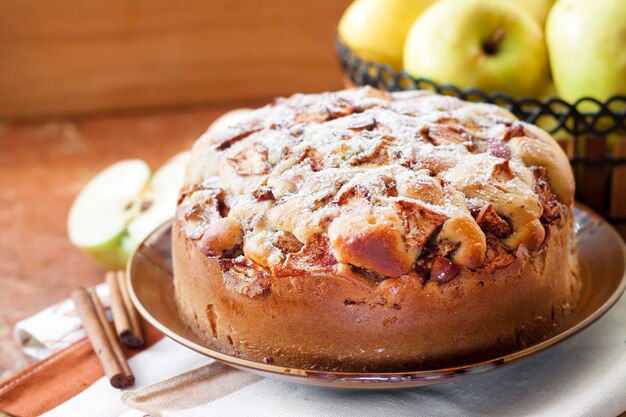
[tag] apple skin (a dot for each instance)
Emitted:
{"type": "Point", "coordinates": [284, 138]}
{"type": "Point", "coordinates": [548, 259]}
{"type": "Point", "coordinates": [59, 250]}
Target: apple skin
{"type": "Point", "coordinates": [587, 47]}
{"type": "Point", "coordinates": [107, 220]}
{"type": "Point", "coordinates": [447, 44]}
{"type": "Point", "coordinates": [375, 29]}
{"type": "Point", "coordinates": [539, 9]}
{"type": "Point", "coordinates": [112, 255]}
{"type": "Point", "coordinates": [161, 195]}
{"type": "Point", "coordinates": [100, 213]}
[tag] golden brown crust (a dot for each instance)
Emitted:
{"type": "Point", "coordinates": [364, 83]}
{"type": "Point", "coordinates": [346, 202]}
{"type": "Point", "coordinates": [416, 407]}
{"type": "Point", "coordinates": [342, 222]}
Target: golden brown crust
{"type": "Point", "coordinates": [367, 230]}
{"type": "Point", "coordinates": [343, 322]}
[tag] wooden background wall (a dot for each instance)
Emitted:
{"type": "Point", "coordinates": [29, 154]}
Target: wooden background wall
{"type": "Point", "coordinates": [60, 57]}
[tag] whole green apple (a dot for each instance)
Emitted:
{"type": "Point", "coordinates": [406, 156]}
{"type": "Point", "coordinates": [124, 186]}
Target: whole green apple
{"type": "Point", "coordinates": [375, 29]}
{"type": "Point", "coordinates": [488, 44]}
{"type": "Point", "coordinates": [587, 47]}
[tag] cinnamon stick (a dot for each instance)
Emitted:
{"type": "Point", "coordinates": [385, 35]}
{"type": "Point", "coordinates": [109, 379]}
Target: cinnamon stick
{"type": "Point", "coordinates": [120, 317]}
{"type": "Point", "coordinates": [130, 308]}
{"type": "Point", "coordinates": [127, 324]}
{"type": "Point", "coordinates": [129, 378]}
{"type": "Point", "coordinates": [102, 337]}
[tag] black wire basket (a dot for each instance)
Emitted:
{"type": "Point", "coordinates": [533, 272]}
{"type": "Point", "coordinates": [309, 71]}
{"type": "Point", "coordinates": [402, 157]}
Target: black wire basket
{"type": "Point", "coordinates": [592, 133]}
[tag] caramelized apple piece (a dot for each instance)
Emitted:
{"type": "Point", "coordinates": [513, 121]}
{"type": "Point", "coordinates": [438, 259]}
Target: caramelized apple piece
{"type": "Point", "coordinates": [551, 206]}
{"type": "Point", "coordinates": [444, 270]}
{"type": "Point", "coordinates": [490, 221]}
{"type": "Point", "coordinates": [251, 161]}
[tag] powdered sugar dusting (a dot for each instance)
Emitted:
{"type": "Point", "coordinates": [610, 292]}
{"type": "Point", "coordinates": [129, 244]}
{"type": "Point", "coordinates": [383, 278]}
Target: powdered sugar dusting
{"type": "Point", "coordinates": [325, 172]}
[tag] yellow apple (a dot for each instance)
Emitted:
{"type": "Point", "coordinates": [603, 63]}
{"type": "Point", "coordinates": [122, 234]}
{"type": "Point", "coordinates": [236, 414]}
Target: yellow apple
{"type": "Point", "coordinates": [375, 29]}
{"type": "Point", "coordinates": [537, 8]}
{"type": "Point", "coordinates": [487, 44]}
{"type": "Point", "coordinates": [587, 47]}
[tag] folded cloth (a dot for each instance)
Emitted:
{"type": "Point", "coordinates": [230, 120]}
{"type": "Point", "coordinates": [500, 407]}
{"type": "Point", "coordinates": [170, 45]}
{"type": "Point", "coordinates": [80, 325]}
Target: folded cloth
{"type": "Point", "coordinates": [191, 389]}
{"type": "Point", "coordinates": [583, 376]}
{"type": "Point", "coordinates": [54, 328]}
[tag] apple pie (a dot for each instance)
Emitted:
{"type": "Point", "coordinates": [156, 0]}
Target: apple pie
{"type": "Point", "coordinates": [361, 230]}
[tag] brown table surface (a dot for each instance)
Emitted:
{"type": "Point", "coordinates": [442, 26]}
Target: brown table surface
{"type": "Point", "coordinates": [42, 168]}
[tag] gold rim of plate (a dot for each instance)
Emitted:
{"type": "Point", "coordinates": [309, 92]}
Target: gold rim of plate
{"type": "Point", "coordinates": [603, 270]}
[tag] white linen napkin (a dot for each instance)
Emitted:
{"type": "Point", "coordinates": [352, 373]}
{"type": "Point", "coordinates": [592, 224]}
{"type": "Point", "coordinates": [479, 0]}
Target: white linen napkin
{"type": "Point", "coordinates": [54, 328]}
{"type": "Point", "coordinates": [583, 376]}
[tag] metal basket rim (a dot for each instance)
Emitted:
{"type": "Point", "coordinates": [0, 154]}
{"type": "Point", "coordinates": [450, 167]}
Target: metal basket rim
{"type": "Point", "coordinates": [569, 116]}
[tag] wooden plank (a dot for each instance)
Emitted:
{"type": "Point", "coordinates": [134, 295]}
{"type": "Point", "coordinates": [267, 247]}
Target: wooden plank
{"type": "Point", "coordinates": [68, 56]}
{"type": "Point", "coordinates": [42, 169]}
{"type": "Point", "coordinates": [618, 184]}
{"type": "Point", "coordinates": [592, 186]}
{"type": "Point", "coordinates": [568, 146]}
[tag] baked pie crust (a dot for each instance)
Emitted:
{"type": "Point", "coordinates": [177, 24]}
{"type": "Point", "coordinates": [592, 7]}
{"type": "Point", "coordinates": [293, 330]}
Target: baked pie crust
{"type": "Point", "coordinates": [369, 231]}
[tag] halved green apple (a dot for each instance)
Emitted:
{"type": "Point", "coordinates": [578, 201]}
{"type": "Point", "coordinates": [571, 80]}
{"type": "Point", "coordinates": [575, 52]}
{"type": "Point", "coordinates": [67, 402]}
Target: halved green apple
{"type": "Point", "coordinates": [123, 204]}
{"type": "Point", "coordinates": [98, 220]}
{"type": "Point", "coordinates": [158, 202]}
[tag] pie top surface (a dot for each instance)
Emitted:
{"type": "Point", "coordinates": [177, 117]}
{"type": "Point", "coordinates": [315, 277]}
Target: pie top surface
{"type": "Point", "coordinates": [373, 184]}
